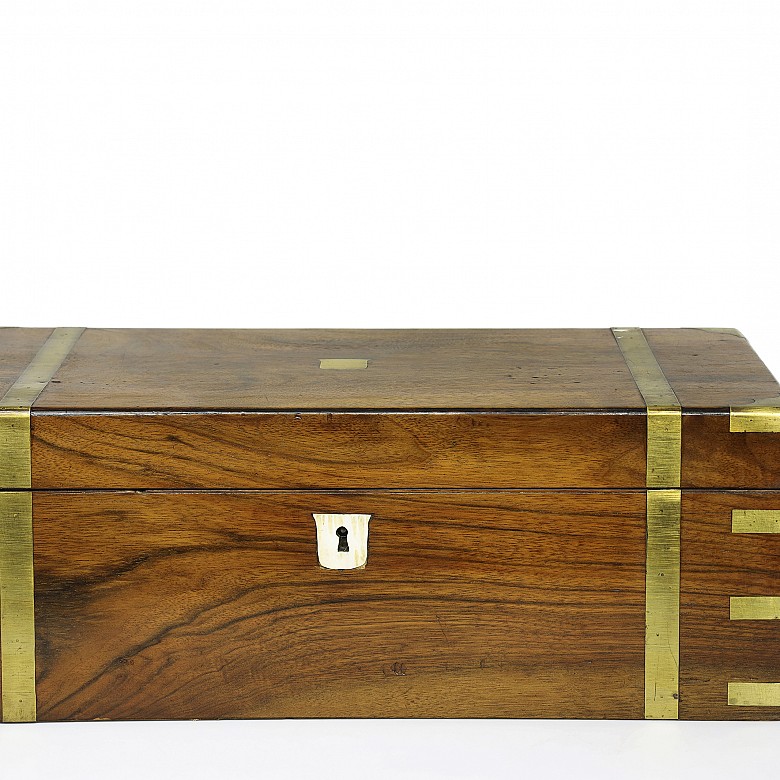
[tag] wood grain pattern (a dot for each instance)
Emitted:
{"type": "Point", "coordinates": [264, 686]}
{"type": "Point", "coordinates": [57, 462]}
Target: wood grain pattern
{"type": "Point", "coordinates": [717, 564]}
{"type": "Point", "coordinates": [713, 457]}
{"type": "Point", "coordinates": [279, 370]}
{"type": "Point", "coordinates": [311, 450]}
{"type": "Point", "coordinates": [212, 605]}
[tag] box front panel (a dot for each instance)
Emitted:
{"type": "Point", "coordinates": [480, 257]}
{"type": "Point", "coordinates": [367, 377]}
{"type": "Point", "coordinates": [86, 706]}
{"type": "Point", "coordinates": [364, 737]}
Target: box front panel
{"type": "Point", "coordinates": [214, 605]}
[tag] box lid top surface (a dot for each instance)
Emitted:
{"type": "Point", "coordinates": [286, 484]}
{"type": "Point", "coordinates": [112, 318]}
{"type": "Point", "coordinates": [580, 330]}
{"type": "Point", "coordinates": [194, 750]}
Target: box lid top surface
{"type": "Point", "coordinates": [300, 370]}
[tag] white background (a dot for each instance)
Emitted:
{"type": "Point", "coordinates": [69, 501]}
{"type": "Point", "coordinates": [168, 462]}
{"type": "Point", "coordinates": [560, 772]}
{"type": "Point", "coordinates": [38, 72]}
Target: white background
{"type": "Point", "coordinates": [398, 164]}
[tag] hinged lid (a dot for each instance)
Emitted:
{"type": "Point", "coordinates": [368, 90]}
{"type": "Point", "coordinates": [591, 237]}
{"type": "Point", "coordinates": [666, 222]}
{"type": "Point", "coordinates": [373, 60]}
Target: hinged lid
{"type": "Point", "coordinates": [227, 409]}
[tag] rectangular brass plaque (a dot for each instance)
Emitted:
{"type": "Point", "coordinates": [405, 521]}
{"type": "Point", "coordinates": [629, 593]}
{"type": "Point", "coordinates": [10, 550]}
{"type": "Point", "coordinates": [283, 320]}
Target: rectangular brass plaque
{"type": "Point", "coordinates": [344, 364]}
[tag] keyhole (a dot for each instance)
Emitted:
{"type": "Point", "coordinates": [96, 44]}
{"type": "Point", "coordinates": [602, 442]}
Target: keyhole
{"type": "Point", "coordinates": [342, 535]}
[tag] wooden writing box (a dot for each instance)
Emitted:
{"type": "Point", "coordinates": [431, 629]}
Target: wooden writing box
{"type": "Point", "coordinates": [251, 524]}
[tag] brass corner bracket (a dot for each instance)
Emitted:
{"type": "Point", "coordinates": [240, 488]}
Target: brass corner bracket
{"type": "Point", "coordinates": [763, 416]}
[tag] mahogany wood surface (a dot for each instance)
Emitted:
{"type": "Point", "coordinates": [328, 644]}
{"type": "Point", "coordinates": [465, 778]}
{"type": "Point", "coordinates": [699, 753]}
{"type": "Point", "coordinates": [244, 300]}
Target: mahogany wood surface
{"type": "Point", "coordinates": [717, 564]}
{"type": "Point", "coordinates": [212, 605]}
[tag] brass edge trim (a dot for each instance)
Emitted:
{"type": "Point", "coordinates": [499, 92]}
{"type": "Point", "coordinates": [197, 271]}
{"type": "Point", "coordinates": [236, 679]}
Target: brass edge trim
{"type": "Point", "coordinates": [763, 416]}
{"type": "Point", "coordinates": [15, 405]}
{"type": "Point", "coordinates": [754, 608]}
{"type": "Point", "coordinates": [15, 465]}
{"type": "Point", "coordinates": [753, 694]}
{"type": "Point", "coordinates": [755, 521]}
{"type": "Point", "coordinates": [17, 610]}
{"type": "Point", "coordinates": [664, 413]}
{"type": "Point", "coordinates": [17, 607]}
{"type": "Point", "coordinates": [662, 604]}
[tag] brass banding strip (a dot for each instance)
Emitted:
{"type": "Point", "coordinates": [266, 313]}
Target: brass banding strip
{"type": "Point", "coordinates": [753, 694]}
{"type": "Point", "coordinates": [662, 604]}
{"type": "Point", "coordinates": [754, 608]}
{"type": "Point", "coordinates": [15, 467]}
{"type": "Point", "coordinates": [17, 618]}
{"type": "Point", "coordinates": [664, 414]}
{"type": "Point", "coordinates": [664, 502]}
{"type": "Point", "coordinates": [755, 521]}
{"type": "Point", "coordinates": [17, 609]}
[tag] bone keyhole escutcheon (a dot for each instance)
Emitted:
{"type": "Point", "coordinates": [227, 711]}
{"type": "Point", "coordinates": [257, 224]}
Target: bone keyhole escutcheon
{"type": "Point", "coordinates": [342, 540]}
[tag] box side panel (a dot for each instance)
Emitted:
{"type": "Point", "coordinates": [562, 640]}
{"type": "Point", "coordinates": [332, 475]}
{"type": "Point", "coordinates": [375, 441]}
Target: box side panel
{"type": "Point", "coordinates": [332, 450]}
{"type": "Point", "coordinates": [729, 631]}
{"type": "Point", "coordinates": [208, 605]}
{"type": "Point", "coordinates": [713, 456]}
